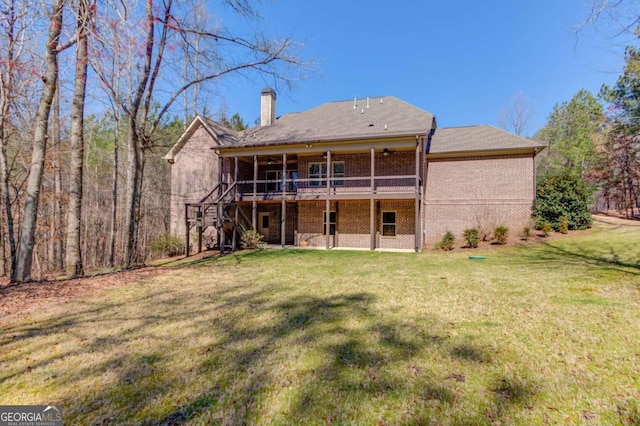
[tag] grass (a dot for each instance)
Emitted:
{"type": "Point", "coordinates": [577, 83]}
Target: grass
{"type": "Point", "coordinates": [545, 333]}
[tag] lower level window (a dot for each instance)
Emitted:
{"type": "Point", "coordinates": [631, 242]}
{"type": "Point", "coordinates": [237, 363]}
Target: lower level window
{"type": "Point", "coordinates": [332, 223]}
{"type": "Point", "coordinates": [388, 224]}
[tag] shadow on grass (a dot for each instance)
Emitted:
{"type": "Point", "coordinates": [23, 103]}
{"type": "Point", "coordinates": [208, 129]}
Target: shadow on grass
{"type": "Point", "coordinates": [619, 258]}
{"type": "Point", "coordinates": [240, 355]}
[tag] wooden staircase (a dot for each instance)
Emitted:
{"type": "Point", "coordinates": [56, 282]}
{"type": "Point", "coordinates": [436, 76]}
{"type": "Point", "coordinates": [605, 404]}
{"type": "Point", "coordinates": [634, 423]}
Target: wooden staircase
{"type": "Point", "coordinates": [219, 209]}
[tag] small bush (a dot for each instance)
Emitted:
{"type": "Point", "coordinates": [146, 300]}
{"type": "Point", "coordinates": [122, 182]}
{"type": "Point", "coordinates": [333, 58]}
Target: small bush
{"type": "Point", "coordinates": [251, 239]}
{"type": "Point", "coordinates": [472, 237]}
{"type": "Point", "coordinates": [167, 245]}
{"type": "Point", "coordinates": [501, 234]}
{"type": "Point", "coordinates": [447, 242]}
{"type": "Point", "coordinates": [563, 224]}
{"type": "Point", "coordinates": [526, 233]}
{"type": "Point", "coordinates": [545, 227]}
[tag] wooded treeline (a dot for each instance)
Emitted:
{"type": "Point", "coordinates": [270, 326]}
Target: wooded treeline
{"type": "Point", "coordinates": [91, 96]}
{"type": "Point", "coordinates": [597, 138]}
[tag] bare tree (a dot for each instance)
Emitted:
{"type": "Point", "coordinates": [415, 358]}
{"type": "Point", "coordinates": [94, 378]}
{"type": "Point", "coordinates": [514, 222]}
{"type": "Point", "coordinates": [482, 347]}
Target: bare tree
{"type": "Point", "coordinates": [518, 115]}
{"type": "Point", "coordinates": [613, 18]}
{"type": "Point", "coordinates": [226, 54]}
{"type": "Point", "coordinates": [74, 215]}
{"type": "Point", "coordinates": [26, 244]}
{"type": "Point", "coordinates": [8, 70]}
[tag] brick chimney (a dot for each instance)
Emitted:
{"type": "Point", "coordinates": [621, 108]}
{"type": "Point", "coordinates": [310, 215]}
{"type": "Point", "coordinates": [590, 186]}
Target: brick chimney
{"type": "Point", "coordinates": [267, 107]}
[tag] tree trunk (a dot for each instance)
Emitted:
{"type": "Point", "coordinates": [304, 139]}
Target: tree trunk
{"type": "Point", "coordinates": [114, 191]}
{"type": "Point", "coordinates": [56, 240]}
{"type": "Point", "coordinates": [6, 94]}
{"type": "Point", "coordinates": [28, 231]}
{"type": "Point", "coordinates": [135, 165]}
{"type": "Point", "coordinates": [74, 215]}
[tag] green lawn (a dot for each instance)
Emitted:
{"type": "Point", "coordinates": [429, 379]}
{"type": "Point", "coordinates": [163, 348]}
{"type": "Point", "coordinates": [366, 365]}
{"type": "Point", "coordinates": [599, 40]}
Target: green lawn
{"type": "Point", "coordinates": [547, 333]}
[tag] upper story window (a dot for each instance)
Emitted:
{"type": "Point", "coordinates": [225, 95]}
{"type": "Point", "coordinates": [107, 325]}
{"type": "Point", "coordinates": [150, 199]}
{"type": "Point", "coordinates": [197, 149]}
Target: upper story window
{"type": "Point", "coordinates": [319, 171]}
{"type": "Point", "coordinates": [275, 178]}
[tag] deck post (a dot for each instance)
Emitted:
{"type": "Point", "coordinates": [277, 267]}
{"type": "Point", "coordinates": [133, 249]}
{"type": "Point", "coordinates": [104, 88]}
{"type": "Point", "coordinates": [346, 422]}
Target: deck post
{"type": "Point", "coordinates": [254, 204]}
{"type": "Point", "coordinates": [186, 226]}
{"type": "Point", "coordinates": [235, 218]}
{"type": "Point", "coordinates": [283, 210]}
{"type": "Point", "coordinates": [199, 229]}
{"type": "Point", "coordinates": [327, 214]}
{"type": "Point", "coordinates": [372, 215]}
{"type": "Point", "coordinates": [234, 242]}
{"type": "Point", "coordinates": [235, 170]}
{"type": "Point", "coordinates": [417, 196]}
{"type": "Point", "coordinates": [222, 238]}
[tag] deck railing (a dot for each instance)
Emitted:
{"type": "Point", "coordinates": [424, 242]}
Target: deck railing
{"type": "Point", "coordinates": [354, 185]}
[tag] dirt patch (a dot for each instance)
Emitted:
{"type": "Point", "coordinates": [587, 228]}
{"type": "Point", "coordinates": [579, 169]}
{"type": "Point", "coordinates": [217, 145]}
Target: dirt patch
{"type": "Point", "coordinates": [17, 300]}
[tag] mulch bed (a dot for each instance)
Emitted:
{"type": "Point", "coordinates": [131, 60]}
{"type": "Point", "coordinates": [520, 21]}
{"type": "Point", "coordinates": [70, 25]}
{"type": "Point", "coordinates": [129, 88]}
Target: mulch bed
{"type": "Point", "coordinates": [17, 300]}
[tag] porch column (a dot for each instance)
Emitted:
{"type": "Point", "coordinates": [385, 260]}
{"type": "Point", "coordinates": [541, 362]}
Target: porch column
{"type": "Point", "coordinates": [186, 225]}
{"type": "Point", "coordinates": [372, 211]}
{"type": "Point", "coordinates": [199, 228]}
{"type": "Point", "coordinates": [283, 213]}
{"type": "Point", "coordinates": [235, 217]}
{"type": "Point", "coordinates": [220, 173]}
{"type": "Point", "coordinates": [327, 214]}
{"type": "Point", "coordinates": [234, 242]}
{"type": "Point", "coordinates": [235, 170]}
{"type": "Point", "coordinates": [417, 195]}
{"type": "Point", "coordinates": [221, 233]}
{"type": "Point", "coordinates": [254, 204]}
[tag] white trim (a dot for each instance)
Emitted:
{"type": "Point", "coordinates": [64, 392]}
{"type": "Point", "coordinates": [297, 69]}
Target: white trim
{"type": "Point", "coordinates": [186, 135]}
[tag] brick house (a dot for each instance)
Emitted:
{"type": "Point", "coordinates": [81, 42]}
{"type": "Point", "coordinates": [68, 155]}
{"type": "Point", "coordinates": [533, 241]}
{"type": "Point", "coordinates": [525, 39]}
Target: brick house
{"type": "Point", "coordinates": [371, 173]}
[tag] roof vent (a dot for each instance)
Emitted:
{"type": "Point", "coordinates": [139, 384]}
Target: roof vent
{"type": "Point", "coordinates": [362, 112]}
{"type": "Point", "coordinates": [355, 102]}
{"type": "Point", "coordinates": [367, 102]}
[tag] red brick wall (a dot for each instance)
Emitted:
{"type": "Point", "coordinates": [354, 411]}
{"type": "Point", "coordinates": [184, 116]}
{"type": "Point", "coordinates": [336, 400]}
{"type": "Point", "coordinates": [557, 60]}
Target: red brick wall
{"type": "Point", "coordinates": [359, 165]}
{"type": "Point", "coordinates": [476, 192]}
{"type": "Point", "coordinates": [352, 223]}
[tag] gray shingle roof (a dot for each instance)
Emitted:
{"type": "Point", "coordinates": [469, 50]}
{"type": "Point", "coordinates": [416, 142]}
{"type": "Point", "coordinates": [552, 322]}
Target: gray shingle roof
{"type": "Point", "coordinates": [225, 135]}
{"type": "Point", "coordinates": [384, 117]}
{"type": "Point", "coordinates": [477, 138]}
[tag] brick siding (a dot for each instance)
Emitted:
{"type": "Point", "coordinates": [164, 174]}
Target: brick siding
{"type": "Point", "coordinates": [478, 192]}
{"type": "Point", "coordinates": [352, 224]}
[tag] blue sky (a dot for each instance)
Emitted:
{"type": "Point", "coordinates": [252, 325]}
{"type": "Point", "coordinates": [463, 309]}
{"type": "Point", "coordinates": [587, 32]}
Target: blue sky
{"type": "Point", "coordinates": [461, 60]}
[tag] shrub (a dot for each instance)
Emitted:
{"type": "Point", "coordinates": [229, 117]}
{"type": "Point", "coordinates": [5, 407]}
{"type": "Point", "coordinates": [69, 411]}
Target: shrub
{"type": "Point", "coordinates": [563, 225]}
{"type": "Point", "coordinates": [447, 242]}
{"type": "Point", "coordinates": [167, 245]}
{"type": "Point", "coordinates": [251, 239]}
{"type": "Point", "coordinates": [563, 194]}
{"type": "Point", "coordinates": [545, 227]}
{"type": "Point", "coordinates": [472, 237]}
{"type": "Point", "coordinates": [501, 234]}
{"type": "Point", "coordinates": [526, 233]}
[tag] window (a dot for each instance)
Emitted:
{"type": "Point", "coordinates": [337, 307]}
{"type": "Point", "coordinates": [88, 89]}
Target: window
{"type": "Point", "coordinates": [273, 175]}
{"type": "Point", "coordinates": [388, 224]}
{"type": "Point", "coordinates": [338, 171]}
{"type": "Point", "coordinates": [319, 171]}
{"type": "Point", "coordinates": [332, 223]}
